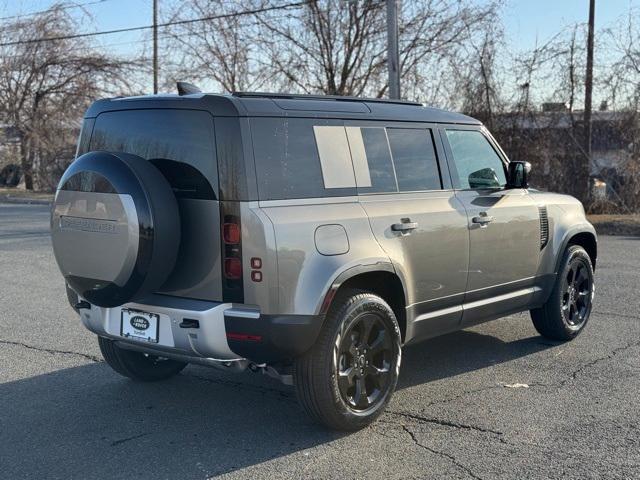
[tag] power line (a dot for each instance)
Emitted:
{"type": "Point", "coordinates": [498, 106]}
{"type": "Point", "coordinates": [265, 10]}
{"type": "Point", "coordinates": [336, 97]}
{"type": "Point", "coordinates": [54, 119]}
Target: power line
{"type": "Point", "coordinates": [61, 7]}
{"type": "Point", "coordinates": [103, 46]}
{"type": "Point", "coordinates": [166, 24]}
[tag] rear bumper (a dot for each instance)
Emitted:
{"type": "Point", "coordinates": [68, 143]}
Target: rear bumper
{"type": "Point", "coordinates": [216, 332]}
{"type": "Point", "coordinates": [271, 338]}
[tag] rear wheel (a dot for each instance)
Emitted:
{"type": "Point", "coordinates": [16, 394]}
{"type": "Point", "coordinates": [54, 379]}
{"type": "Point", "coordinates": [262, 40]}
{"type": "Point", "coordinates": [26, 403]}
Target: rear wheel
{"type": "Point", "coordinates": [346, 380]}
{"type": "Point", "coordinates": [138, 366]}
{"type": "Point", "coordinates": [567, 311]}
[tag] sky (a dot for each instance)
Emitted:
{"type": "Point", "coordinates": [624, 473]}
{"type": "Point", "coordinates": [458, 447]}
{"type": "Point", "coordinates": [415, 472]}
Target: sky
{"type": "Point", "coordinates": [528, 20]}
{"type": "Point", "coordinates": [525, 21]}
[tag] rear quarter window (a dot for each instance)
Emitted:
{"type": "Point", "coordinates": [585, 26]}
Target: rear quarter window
{"type": "Point", "coordinates": [288, 160]}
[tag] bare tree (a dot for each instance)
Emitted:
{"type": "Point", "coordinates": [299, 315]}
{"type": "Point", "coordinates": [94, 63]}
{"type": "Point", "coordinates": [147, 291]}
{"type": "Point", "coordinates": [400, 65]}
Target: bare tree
{"type": "Point", "coordinates": [339, 48]}
{"type": "Point", "coordinates": [221, 49]}
{"type": "Point", "coordinates": [46, 85]}
{"type": "Point", "coordinates": [623, 79]}
{"type": "Point", "coordinates": [476, 79]}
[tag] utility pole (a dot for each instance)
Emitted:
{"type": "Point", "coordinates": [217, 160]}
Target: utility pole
{"type": "Point", "coordinates": [588, 93]}
{"type": "Point", "coordinates": [393, 55]}
{"type": "Point", "coordinates": [155, 46]}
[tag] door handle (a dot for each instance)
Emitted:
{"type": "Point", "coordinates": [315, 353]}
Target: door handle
{"type": "Point", "coordinates": [483, 219]}
{"type": "Point", "coordinates": [404, 226]}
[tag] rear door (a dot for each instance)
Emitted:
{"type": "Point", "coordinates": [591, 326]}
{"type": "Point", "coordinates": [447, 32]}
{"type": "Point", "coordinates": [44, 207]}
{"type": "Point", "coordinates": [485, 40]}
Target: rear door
{"type": "Point", "coordinates": [415, 217]}
{"type": "Point", "coordinates": [503, 227]}
{"type": "Point", "coordinates": [181, 144]}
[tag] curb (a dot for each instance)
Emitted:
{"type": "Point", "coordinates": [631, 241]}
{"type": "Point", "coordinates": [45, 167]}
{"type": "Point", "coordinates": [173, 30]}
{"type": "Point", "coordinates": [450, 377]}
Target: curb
{"type": "Point", "coordinates": [617, 229]}
{"type": "Point", "coordinates": [23, 201]}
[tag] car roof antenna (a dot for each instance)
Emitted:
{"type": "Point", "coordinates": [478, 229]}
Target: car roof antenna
{"type": "Point", "coordinates": [186, 88]}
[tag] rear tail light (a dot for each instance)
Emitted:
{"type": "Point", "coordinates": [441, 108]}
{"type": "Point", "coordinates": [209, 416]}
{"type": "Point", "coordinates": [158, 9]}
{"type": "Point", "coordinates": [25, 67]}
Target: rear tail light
{"type": "Point", "coordinates": [233, 268]}
{"type": "Point", "coordinates": [232, 288]}
{"type": "Point", "coordinates": [231, 233]}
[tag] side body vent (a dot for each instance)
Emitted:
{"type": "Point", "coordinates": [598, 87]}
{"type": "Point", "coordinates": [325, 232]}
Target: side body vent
{"type": "Point", "coordinates": [544, 226]}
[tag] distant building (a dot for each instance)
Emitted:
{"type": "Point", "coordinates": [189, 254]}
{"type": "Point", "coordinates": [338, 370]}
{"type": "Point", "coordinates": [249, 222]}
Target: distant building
{"type": "Point", "coordinates": [555, 130]}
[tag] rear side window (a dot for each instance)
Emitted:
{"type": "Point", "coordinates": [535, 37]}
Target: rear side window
{"type": "Point", "coordinates": [179, 142]}
{"type": "Point", "coordinates": [477, 163]}
{"type": "Point", "coordinates": [414, 158]}
{"type": "Point", "coordinates": [301, 158]}
{"type": "Point", "coordinates": [370, 149]}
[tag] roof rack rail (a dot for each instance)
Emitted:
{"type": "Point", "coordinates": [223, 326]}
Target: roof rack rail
{"type": "Point", "coordinates": [339, 98]}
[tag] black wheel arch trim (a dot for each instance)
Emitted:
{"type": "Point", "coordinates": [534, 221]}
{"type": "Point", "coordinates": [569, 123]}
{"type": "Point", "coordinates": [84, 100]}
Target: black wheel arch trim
{"type": "Point", "coordinates": [566, 240]}
{"type": "Point", "coordinates": [352, 272]}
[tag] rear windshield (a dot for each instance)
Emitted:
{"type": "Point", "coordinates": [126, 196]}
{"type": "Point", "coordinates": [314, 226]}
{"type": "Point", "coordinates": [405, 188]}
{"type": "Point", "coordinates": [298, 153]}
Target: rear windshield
{"type": "Point", "coordinates": [179, 142]}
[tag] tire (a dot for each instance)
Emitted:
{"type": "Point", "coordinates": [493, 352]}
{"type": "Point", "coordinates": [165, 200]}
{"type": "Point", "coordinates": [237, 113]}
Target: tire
{"type": "Point", "coordinates": [115, 228]}
{"type": "Point", "coordinates": [567, 310]}
{"type": "Point", "coordinates": [370, 366]}
{"type": "Point", "coordinates": [138, 366]}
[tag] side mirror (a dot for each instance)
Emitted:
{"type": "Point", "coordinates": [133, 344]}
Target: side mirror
{"type": "Point", "coordinates": [518, 175]}
{"type": "Point", "coordinates": [484, 178]}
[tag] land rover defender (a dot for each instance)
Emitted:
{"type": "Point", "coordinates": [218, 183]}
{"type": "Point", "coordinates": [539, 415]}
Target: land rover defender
{"type": "Point", "coordinates": [308, 237]}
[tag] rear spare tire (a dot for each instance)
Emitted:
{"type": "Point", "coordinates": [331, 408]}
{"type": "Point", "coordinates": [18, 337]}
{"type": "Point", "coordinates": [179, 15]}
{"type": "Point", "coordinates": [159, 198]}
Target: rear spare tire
{"type": "Point", "coordinates": [115, 227]}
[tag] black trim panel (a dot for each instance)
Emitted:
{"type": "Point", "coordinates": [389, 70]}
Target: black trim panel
{"type": "Point", "coordinates": [281, 337]}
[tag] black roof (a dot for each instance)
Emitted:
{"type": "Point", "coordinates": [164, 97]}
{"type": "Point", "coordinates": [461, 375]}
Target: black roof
{"type": "Point", "coordinates": [253, 104]}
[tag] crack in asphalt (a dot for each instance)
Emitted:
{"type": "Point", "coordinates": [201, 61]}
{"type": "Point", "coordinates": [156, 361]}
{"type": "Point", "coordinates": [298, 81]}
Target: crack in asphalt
{"type": "Point", "coordinates": [124, 440]}
{"type": "Point", "coordinates": [446, 423]}
{"type": "Point", "coordinates": [283, 395]}
{"type": "Point", "coordinates": [52, 351]}
{"type": "Point", "coordinates": [573, 376]}
{"type": "Point", "coordinates": [594, 362]}
{"type": "Point", "coordinates": [615, 314]}
{"type": "Point", "coordinates": [441, 454]}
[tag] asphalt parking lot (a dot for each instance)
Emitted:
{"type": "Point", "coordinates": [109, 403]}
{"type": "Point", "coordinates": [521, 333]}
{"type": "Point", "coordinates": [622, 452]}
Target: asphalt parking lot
{"type": "Point", "coordinates": [458, 411]}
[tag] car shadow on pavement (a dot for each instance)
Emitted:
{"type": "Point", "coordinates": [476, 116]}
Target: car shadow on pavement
{"type": "Point", "coordinates": [461, 352]}
{"type": "Point", "coordinates": [88, 422]}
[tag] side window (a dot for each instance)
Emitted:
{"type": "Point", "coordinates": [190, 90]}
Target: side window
{"type": "Point", "coordinates": [372, 161]}
{"type": "Point", "coordinates": [414, 158]}
{"type": "Point", "coordinates": [477, 163]}
{"type": "Point", "coordinates": [301, 158]}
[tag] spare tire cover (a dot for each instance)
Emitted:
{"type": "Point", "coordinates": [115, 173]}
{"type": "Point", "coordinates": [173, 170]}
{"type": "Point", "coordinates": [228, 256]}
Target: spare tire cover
{"type": "Point", "coordinates": [115, 227]}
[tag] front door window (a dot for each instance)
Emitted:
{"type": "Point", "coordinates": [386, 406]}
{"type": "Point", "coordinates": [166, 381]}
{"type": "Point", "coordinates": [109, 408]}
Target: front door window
{"type": "Point", "coordinates": [477, 163]}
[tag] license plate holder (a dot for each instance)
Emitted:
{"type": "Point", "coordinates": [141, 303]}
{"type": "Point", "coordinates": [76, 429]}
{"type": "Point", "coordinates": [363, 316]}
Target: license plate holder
{"type": "Point", "coordinates": [139, 325]}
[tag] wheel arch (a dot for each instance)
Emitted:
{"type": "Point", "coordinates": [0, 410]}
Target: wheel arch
{"type": "Point", "coordinates": [380, 279]}
{"type": "Point", "coordinates": [586, 239]}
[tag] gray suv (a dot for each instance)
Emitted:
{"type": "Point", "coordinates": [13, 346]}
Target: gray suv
{"type": "Point", "coordinates": [307, 237]}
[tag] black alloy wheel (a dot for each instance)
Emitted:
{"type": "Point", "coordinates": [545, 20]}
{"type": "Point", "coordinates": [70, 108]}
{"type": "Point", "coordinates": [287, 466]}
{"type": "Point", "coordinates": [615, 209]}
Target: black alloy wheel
{"type": "Point", "coordinates": [364, 356]}
{"type": "Point", "coordinates": [566, 312]}
{"type": "Point", "coordinates": [576, 299]}
{"type": "Point", "coordinates": [346, 380]}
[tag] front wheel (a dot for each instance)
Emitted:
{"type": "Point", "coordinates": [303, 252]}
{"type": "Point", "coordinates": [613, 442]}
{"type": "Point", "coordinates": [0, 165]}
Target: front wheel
{"type": "Point", "coordinates": [347, 378]}
{"type": "Point", "coordinates": [138, 366]}
{"type": "Point", "coordinates": [567, 311]}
